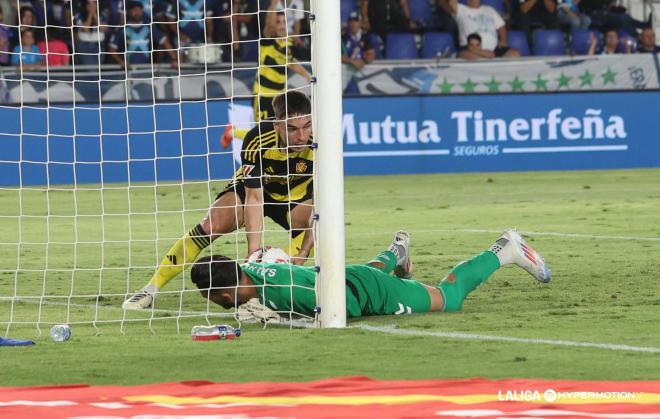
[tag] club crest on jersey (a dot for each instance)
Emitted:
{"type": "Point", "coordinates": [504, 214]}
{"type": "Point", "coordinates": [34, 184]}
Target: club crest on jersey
{"type": "Point", "coordinates": [301, 167]}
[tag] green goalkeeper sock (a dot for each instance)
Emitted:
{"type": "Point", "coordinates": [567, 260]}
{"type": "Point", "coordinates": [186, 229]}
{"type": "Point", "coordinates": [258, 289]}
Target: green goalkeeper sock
{"type": "Point", "coordinates": [465, 277]}
{"type": "Point", "coordinates": [387, 258]}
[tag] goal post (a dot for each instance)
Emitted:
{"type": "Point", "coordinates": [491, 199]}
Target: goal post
{"type": "Point", "coordinates": [108, 171]}
{"type": "Point", "coordinates": [327, 95]}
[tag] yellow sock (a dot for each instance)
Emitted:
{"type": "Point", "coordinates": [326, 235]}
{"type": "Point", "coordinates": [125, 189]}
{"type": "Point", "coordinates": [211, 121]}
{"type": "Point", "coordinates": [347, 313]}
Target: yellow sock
{"type": "Point", "coordinates": [296, 243]}
{"type": "Point", "coordinates": [184, 251]}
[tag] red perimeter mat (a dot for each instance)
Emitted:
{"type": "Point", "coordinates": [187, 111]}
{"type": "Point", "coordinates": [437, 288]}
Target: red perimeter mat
{"type": "Point", "coordinates": [350, 397]}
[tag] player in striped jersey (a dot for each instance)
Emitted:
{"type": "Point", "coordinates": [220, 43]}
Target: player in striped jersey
{"type": "Point", "coordinates": [274, 59]}
{"type": "Point", "coordinates": [274, 180]}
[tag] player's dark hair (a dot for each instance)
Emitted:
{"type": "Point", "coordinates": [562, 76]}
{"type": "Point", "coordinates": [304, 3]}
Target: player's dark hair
{"type": "Point", "coordinates": [214, 272]}
{"type": "Point", "coordinates": [291, 103]}
{"type": "Point", "coordinates": [475, 36]}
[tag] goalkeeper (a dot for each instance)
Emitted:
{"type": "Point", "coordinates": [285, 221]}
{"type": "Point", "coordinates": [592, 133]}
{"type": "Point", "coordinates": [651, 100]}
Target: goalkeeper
{"type": "Point", "coordinates": [370, 289]}
{"type": "Point", "coordinates": [274, 180]}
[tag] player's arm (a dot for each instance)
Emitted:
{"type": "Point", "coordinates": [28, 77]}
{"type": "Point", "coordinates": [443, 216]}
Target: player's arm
{"type": "Point", "coordinates": [451, 6]}
{"type": "Point", "coordinates": [253, 206]}
{"type": "Point", "coordinates": [254, 217]}
{"type": "Point", "coordinates": [305, 248]}
{"type": "Point", "coordinates": [270, 30]}
{"type": "Point", "coordinates": [299, 69]}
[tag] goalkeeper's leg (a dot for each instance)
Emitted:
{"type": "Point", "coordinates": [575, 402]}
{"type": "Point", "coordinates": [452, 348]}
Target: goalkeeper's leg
{"type": "Point", "coordinates": [397, 256]}
{"type": "Point", "coordinates": [509, 249]}
{"type": "Point", "coordinates": [225, 216]}
{"type": "Point", "coordinates": [406, 296]}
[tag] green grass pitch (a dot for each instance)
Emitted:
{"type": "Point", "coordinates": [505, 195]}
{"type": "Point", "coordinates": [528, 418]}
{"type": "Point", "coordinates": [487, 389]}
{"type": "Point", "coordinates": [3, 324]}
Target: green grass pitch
{"type": "Point", "coordinates": [599, 231]}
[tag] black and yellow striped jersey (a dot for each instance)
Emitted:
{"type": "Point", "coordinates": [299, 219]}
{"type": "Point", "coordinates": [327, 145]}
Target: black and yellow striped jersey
{"type": "Point", "coordinates": [266, 163]}
{"type": "Point", "coordinates": [274, 56]}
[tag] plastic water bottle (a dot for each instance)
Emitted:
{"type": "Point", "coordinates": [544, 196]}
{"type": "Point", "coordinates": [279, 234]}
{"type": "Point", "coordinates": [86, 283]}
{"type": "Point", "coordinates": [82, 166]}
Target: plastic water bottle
{"type": "Point", "coordinates": [218, 332]}
{"type": "Point", "coordinates": [60, 332]}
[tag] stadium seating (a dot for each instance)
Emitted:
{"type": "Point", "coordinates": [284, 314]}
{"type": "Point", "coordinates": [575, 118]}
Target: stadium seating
{"type": "Point", "coordinates": [401, 46]}
{"type": "Point", "coordinates": [581, 41]}
{"type": "Point", "coordinates": [421, 12]}
{"type": "Point", "coordinates": [436, 44]}
{"type": "Point", "coordinates": [549, 42]}
{"type": "Point", "coordinates": [625, 38]}
{"type": "Point", "coordinates": [518, 40]}
{"type": "Point", "coordinates": [346, 7]}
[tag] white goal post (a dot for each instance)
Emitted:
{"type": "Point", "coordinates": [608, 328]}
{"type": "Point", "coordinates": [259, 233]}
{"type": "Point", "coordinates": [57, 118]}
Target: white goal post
{"type": "Point", "coordinates": [327, 94]}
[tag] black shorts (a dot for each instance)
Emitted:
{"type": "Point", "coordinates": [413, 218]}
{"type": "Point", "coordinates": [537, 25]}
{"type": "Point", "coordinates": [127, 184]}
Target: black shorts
{"type": "Point", "coordinates": [262, 107]}
{"type": "Point", "coordinates": [275, 210]}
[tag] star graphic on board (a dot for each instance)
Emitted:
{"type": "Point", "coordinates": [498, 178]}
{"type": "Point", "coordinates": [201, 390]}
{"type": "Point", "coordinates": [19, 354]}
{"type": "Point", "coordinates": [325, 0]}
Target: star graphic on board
{"type": "Point", "coordinates": [493, 85]}
{"type": "Point", "coordinates": [445, 86]}
{"type": "Point", "coordinates": [469, 85]}
{"type": "Point", "coordinates": [541, 83]}
{"type": "Point", "coordinates": [563, 81]}
{"type": "Point", "coordinates": [516, 84]}
{"type": "Point", "coordinates": [586, 79]}
{"type": "Point", "coordinates": [608, 76]}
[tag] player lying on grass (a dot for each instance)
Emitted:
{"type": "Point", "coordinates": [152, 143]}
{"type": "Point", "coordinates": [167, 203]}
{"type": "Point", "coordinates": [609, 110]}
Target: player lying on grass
{"type": "Point", "coordinates": [370, 289]}
{"type": "Point", "coordinates": [274, 180]}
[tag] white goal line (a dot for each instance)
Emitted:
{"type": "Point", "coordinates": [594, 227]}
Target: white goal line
{"type": "Point", "coordinates": [528, 233]}
{"type": "Point", "coordinates": [393, 330]}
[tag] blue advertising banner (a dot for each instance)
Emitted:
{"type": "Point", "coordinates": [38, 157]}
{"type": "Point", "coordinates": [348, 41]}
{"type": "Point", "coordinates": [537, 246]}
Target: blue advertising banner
{"type": "Point", "coordinates": [138, 143]}
{"type": "Point", "coordinates": [429, 134]}
{"type": "Point", "coordinates": [382, 135]}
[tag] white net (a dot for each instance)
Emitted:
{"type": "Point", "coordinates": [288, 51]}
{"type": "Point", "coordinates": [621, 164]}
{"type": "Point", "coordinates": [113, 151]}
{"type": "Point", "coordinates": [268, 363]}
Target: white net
{"type": "Point", "coordinates": [113, 118]}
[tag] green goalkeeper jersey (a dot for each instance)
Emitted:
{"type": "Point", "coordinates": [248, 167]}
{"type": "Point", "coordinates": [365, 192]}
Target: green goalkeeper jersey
{"type": "Point", "coordinates": [369, 291]}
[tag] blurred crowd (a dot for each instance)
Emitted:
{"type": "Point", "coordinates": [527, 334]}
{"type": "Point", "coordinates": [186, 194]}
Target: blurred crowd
{"type": "Point", "coordinates": [482, 29]}
{"type": "Point", "coordinates": [126, 32]}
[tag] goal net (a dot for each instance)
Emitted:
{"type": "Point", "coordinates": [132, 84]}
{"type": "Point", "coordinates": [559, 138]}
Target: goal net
{"type": "Point", "coordinates": [121, 123]}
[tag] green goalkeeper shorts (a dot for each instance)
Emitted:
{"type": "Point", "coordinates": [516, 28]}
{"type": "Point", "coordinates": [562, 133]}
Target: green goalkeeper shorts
{"type": "Point", "coordinates": [370, 291]}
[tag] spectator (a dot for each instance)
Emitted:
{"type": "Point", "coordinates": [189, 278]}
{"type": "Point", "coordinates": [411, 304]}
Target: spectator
{"type": "Point", "coordinates": [58, 12]}
{"type": "Point", "coordinates": [386, 16]}
{"type": "Point", "coordinates": [134, 43]}
{"type": "Point", "coordinates": [27, 54]}
{"type": "Point", "coordinates": [446, 21]}
{"type": "Point", "coordinates": [36, 6]}
{"type": "Point", "coordinates": [569, 14]}
{"type": "Point", "coordinates": [607, 13]}
{"type": "Point", "coordinates": [295, 13]}
{"type": "Point", "coordinates": [91, 33]}
{"type": "Point", "coordinates": [244, 23]}
{"type": "Point", "coordinates": [484, 21]}
{"type": "Point", "coordinates": [611, 44]}
{"type": "Point", "coordinates": [9, 9]}
{"type": "Point", "coordinates": [536, 14]}
{"type": "Point", "coordinates": [222, 31]}
{"type": "Point", "coordinates": [195, 20]}
{"type": "Point", "coordinates": [26, 18]}
{"type": "Point", "coordinates": [55, 50]}
{"type": "Point", "coordinates": [473, 50]}
{"type": "Point", "coordinates": [6, 34]}
{"type": "Point", "coordinates": [356, 47]}
{"type": "Point", "coordinates": [647, 41]}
